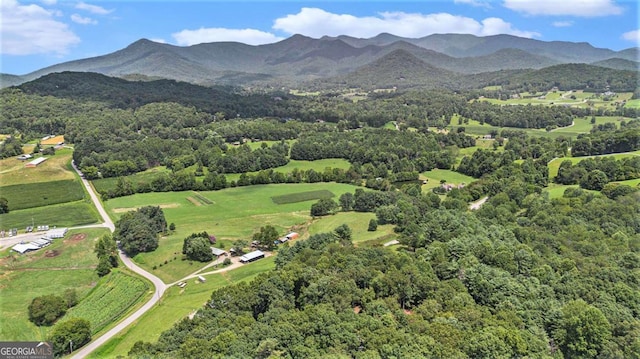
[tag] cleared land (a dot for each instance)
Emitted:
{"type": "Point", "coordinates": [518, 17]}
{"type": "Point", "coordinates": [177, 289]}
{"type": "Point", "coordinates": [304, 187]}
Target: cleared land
{"type": "Point", "coordinates": [236, 213]}
{"type": "Point", "coordinates": [39, 194]}
{"type": "Point", "coordinates": [55, 168]}
{"type": "Point", "coordinates": [62, 215]}
{"type": "Point", "coordinates": [302, 196]}
{"type": "Point", "coordinates": [177, 304]}
{"type": "Point", "coordinates": [66, 264]}
{"type": "Point", "coordinates": [110, 299]}
{"type": "Point", "coordinates": [554, 164]}
{"type": "Point", "coordinates": [358, 222]}
{"type": "Point", "coordinates": [434, 177]}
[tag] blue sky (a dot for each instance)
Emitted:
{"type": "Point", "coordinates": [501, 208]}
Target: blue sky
{"type": "Point", "coordinates": [37, 34]}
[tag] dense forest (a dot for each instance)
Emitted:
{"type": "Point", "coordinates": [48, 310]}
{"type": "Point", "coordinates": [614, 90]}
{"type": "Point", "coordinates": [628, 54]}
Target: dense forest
{"type": "Point", "coordinates": [552, 279]}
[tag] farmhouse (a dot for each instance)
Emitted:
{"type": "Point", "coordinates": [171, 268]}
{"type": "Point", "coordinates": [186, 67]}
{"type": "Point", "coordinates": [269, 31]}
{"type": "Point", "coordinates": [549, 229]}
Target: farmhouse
{"type": "Point", "coordinates": [218, 252]}
{"type": "Point", "coordinates": [36, 162]}
{"type": "Point", "coordinates": [23, 157]}
{"type": "Point", "coordinates": [252, 256]}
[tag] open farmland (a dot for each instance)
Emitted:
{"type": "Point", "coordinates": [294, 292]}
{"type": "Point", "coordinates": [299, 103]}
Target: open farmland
{"type": "Point", "coordinates": [62, 215]}
{"type": "Point", "coordinates": [177, 304]}
{"type": "Point", "coordinates": [110, 299]}
{"type": "Point", "coordinates": [67, 263]}
{"type": "Point", "coordinates": [236, 213]}
{"type": "Point", "coordinates": [358, 222]}
{"type": "Point", "coordinates": [39, 194]}
{"type": "Point", "coordinates": [55, 168]}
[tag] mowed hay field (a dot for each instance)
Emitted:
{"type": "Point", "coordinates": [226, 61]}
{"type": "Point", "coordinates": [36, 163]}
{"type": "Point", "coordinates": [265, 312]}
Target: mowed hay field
{"type": "Point", "coordinates": [234, 213]}
{"type": "Point", "coordinates": [359, 223]}
{"type": "Point", "coordinates": [67, 263]}
{"type": "Point", "coordinates": [55, 168]}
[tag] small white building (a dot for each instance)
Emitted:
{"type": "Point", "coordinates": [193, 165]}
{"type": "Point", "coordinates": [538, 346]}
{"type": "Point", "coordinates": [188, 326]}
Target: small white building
{"type": "Point", "coordinates": [252, 256]}
{"type": "Point", "coordinates": [55, 233]}
{"type": "Point", "coordinates": [218, 252]}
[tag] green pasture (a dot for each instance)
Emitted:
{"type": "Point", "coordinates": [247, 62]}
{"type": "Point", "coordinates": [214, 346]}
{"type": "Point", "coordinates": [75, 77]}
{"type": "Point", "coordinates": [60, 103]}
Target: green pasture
{"type": "Point", "coordinates": [55, 168]}
{"type": "Point", "coordinates": [105, 184]}
{"type": "Point", "coordinates": [61, 215]}
{"type": "Point", "coordinates": [302, 196]}
{"type": "Point", "coordinates": [317, 165]}
{"type": "Point", "coordinates": [557, 191]}
{"type": "Point", "coordinates": [635, 103]}
{"type": "Point", "coordinates": [236, 213]}
{"type": "Point", "coordinates": [110, 299]}
{"type": "Point", "coordinates": [434, 177]}
{"type": "Point", "coordinates": [358, 222]}
{"type": "Point", "coordinates": [39, 194]}
{"type": "Point", "coordinates": [572, 98]}
{"type": "Point", "coordinates": [258, 144]}
{"type": "Point", "coordinates": [176, 304]}
{"type": "Point", "coordinates": [554, 164]}
{"type": "Point", "coordinates": [24, 277]}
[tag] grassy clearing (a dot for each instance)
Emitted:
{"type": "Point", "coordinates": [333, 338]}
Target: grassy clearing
{"type": "Point", "coordinates": [318, 166]}
{"type": "Point", "coordinates": [105, 184]}
{"type": "Point", "coordinates": [61, 215]}
{"type": "Point", "coordinates": [257, 144]}
{"type": "Point", "coordinates": [53, 140]}
{"type": "Point", "coordinates": [554, 165]}
{"type": "Point", "coordinates": [39, 194]}
{"type": "Point", "coordinates": [570, 98]}
{"type": "Point", "coordinates": [434, 177]}
{"type": "Point", "coordinates": [358, 222]}
{"type": "Point", "coordinates": [633, 103]}
{"type": "Point", "coordinates": [112, 297]}
{"type": "Point", "coordinates": [56, 168]}
{"type": "Point", "coordinates": [302, 196]}
{"type": "Point", "coordinates": [557, 190]}
{"type": "Point", "coordinates": [237, 213]}
{"type": "Point", "coordinates": [177, 304]}
{"type": "Point", "coordinates": [24, 277]}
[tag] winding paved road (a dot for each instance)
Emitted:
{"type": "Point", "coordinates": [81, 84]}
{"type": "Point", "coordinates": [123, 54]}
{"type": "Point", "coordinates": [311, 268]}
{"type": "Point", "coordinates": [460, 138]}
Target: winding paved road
{"type": "Point", "coordinates": [159, 285]}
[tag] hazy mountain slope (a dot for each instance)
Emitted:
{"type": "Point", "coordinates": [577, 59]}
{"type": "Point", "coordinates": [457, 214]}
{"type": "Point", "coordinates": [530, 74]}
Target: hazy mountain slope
{"type": "Point", "coordinates": [299, 58]}
{"type": "Point", "coordinates": [618, 64]}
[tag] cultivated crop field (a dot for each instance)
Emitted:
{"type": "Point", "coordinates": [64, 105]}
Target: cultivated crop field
{"type": "Point", "coordinates": [112, 297]}
{"type": "Point", "coordinates": [39, 194]}
{"type": "Point", "coordinates": [67, 263]}
{"type": "Point", "coordinates": [176, 304]}
{"type": "Point", "coordinates": [61, 215]}
{"type": "Point", "coordinates": [235, 213]}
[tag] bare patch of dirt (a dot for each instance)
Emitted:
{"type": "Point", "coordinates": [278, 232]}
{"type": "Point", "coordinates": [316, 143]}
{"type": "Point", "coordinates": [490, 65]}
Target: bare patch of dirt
{"type": "Point", "coordinates": [128, 209]}
{"type": "Point", "coordinates": [78, 237]}
{"type": "Point", "coordinates": [50, 253]}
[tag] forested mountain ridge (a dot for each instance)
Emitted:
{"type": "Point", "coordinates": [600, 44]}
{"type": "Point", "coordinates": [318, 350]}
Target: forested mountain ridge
{"type": "Point", "coordinates": [301, 58]}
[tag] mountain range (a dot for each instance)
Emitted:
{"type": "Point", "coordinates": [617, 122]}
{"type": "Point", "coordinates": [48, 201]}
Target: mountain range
{"type": "Point", "coordinates": [303, 61]}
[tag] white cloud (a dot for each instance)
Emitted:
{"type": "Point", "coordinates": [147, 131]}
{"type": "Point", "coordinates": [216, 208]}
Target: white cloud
{"type": "Point", "coordinates": [247, 36]}
{"type": "Point", "coordinates": [632, 36]}
{"type": "Point", "coordinates": [160, 41]}
{"type": "Point", "coordinates": [83, 20]}
{"type": "Point", "coordinates": [496, 26]}
{"type": "Point", "coordinates": [316, 22]}
{"type": "Point", "coordinates": [476, 3]}
{"type": "Point", "coordinates": [94, 9]}
{"type": "Point", "coordinates": [581, 8]}
{"type": "Point", "coordinates": [562, 23]}
{"type": "Point", "coordinates": [30, 29]}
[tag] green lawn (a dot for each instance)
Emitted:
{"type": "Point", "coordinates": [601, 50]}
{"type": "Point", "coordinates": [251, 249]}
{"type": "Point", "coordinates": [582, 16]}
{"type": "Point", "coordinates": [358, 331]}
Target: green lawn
{"type": "Point", "coordinates": [358, 222]}
{"type": "Point", "coordinates": [60, 215]}
{"type": "Point", "coordinates": [24, 277]}
{"type": "Point", "coordinates": [236, 213]}
{"type": "Point", "coordinates": [176, 304]}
